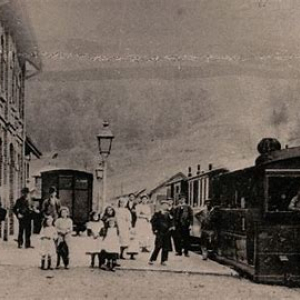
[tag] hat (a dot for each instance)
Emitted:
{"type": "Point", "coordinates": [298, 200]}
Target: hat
{"type": "Point", "coordinates": [52, 189]}
{"type": "Point", "coordinates": [165, 202]}
{"type": "Point", "coordinates": [25, 190]}
{"type": "Point", "coordinates": [144, 196]}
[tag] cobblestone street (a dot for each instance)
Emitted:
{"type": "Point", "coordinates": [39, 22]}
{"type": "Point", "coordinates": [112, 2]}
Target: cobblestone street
{"type": "Point", "coordinates": [183, 278]}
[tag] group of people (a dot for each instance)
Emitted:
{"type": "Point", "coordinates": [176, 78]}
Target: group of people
{"type": "Point", "coordinates": [117, 233]}
{"type": "Point", "coordinates": [55, 234]}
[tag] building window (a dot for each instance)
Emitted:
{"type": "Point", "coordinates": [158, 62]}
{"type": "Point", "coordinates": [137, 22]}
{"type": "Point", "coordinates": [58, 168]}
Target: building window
{"type": "Point", "coordinates": [2, 63]}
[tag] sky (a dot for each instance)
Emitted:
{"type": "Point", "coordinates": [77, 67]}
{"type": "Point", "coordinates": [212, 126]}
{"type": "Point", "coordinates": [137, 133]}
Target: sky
{"type": "Point", "coordinates": [183, 81]}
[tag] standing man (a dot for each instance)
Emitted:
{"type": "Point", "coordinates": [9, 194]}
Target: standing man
{"type": "Point", "coordinates": [174, 235]}
{"type": "Point", "coordinates": [183, 223]}
{"type": "Point", "coordinates": [204, 217]}
{"type": "Point", "coordinates": [162, 225]}
{"type": "Point", "coordinates": [51, 206]}
{"type": "Point", "coordinates": [131, 206]}
{"type": "Point", "coordinates": [23, 210]}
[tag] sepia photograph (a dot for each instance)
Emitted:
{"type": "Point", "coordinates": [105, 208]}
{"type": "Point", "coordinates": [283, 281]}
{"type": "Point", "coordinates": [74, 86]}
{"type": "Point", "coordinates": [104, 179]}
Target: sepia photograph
{"type": "Point", "coordinates": [149, 149]}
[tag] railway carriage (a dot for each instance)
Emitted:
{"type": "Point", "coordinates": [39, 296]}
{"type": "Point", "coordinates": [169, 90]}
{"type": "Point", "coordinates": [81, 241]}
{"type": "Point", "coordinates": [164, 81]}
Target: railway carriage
{"type": "Point", "coordinates": [74, 190]}
{"type": "Point", "coordinates": [199, 189]}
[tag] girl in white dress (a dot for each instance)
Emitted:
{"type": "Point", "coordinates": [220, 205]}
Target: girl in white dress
{"type": "Point", "coordinates": [143, 226]}
{"type": "Point", "coordinates": [48, 236]}
{"type": "Point", "coordinates": [134, 247]}
{"type": "Point", "coordinates": [111, 243]}
{"type": "Point", "coordinates": [124, 225]}
{"type": "Point", "coordinates": [94, 227]}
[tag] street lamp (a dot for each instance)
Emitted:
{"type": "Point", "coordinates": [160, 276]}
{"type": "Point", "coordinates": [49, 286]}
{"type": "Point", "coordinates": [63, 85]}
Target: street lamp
{"type": "Point", "coordinates": [104, 138]}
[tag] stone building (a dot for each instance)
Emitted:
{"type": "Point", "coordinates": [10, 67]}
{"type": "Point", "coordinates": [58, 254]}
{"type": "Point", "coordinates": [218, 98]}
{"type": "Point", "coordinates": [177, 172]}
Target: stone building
{"type": "Point", "coordinates": [19, 60]}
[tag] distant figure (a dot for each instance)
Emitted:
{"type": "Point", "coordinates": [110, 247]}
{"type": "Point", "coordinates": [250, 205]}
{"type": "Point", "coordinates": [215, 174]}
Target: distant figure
{"type": "Point", "coordinates": [183, 219]}
{"type": "Point", "coordinates": [124, 225]}
{"type": "Point", "coordinates": [143, 226]}
{"type": "Point", "coordinates": [51, 206]}
{"type": "Point", "coordinates": [23, 210]}
{"type": "Point", "coordinates": [295, 202]}
{"type": "Point", "coordinates": [48, 237]}
{"type": "Point", "coordinates": [131, 206]}
{"type": "Point", "coordinates": [64, 226]}
{"type": "Point", "coordinates": [94, 227]}
{"type": "Point", "coordinates": [3, 213]}
{"type": "Point", "coordinates": [162, 224]}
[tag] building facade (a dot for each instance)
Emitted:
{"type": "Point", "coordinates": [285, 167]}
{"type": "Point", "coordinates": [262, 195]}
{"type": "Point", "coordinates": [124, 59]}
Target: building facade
{"type": "Point", "coordinates": [18, 58]}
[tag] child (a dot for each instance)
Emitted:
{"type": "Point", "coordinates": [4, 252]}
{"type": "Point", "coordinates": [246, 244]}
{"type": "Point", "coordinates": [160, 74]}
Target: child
{"type": "Point", "coordinates": [134, 246]}
{"type": "Point", "coordinates": [111, 244]}
{"type": "Point", "coordinates": [162, 225]}
{"type": "Point", "coordinates": [94, 227]}
{"type": "Point", "coordinates": [64, 226]}
{"type": "Point", "coordinates": [48, 236]}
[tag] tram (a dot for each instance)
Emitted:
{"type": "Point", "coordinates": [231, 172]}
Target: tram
{"type": "Point", "coordinates": [257, 233]}
{"type": "Point", "coordinates": [74, 190]}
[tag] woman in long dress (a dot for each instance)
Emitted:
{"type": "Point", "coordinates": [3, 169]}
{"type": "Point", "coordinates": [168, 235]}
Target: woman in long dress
{"type": "Point", "coordinates": [143, 226]}
{"type": "Point", "coordinates": [124, 225]}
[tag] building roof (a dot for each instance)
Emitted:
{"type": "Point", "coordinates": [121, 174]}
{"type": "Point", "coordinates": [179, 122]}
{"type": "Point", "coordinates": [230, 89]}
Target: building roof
{"type": "Point", "coordinates": [31, 148]}
{"type": "Point", "coordinates": [13, 16]}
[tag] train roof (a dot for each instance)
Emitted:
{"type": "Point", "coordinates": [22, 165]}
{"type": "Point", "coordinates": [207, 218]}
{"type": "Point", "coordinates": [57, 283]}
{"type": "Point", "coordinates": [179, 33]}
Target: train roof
{"type": "Point", "coordinates": [266, 160]}
{"type": "Point", "coordinates": [58, 170]}
{"type": "Point", "coordinates": [208, 173]}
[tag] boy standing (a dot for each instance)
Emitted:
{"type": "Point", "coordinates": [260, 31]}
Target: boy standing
{"type": "Point", "coordinates": [162, 224]}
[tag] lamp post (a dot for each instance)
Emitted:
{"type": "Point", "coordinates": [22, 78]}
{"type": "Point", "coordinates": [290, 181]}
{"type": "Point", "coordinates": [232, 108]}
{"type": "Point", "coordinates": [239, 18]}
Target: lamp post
{"type": "Point", "coordinates": [104, 138]}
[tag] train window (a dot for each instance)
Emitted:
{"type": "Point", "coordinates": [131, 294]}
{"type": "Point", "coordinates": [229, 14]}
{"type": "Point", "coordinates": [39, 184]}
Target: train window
{"type": "Point", "coordinates": [281, 190]}
{"type": "Point", "coordinates": [195, 193]}
{"type": "Point", "coordinates": [65, 182]}
{"type": "Point", "coordinates": [81, 184]}
{"type": "Point", "coordinates": [191, 193]}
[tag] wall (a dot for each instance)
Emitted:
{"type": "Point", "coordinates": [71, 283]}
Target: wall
{"type": "Point", "coordinates": [12, 127]}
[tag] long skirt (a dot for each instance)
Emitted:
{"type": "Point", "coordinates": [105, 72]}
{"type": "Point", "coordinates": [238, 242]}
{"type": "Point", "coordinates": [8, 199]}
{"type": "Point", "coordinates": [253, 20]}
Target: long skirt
{"type": "Point", "coordinates": [144, 233]}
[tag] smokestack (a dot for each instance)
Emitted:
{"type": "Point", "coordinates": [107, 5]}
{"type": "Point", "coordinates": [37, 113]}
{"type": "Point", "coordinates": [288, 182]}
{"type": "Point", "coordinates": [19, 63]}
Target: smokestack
{"type": "Point", "coordinates": [190, 172]}
{"type": "Point", "coordinates": [198, 169]}
{"type": "Point", "coordinates": [210, 166]}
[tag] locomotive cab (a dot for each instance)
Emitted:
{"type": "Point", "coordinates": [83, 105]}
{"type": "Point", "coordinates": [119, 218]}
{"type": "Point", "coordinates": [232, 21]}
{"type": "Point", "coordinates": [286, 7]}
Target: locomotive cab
{"type": "Point", "coordinates": [258, 233]}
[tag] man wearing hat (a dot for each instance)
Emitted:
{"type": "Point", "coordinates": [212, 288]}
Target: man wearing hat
{"type": "Point", "coordinates": [162, 224]}
{"type": "Point", "coordinates": [183, 218]}
{"type": "Point", "coordinates": [23, 210]}
{"type": "Point", "coordinates": [51, 206]}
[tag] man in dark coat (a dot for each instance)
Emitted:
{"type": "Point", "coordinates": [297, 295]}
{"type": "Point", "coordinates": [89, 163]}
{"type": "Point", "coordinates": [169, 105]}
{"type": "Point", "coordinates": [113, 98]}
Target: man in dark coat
{"type": "Point", "coordinates": [23, 210]}
{"type": "Point", "coordinates": [3, 213]}
{"type": "Point", "coordinates": [162, 224]}
{"type": "Point", "coordinates": [207, 232]}
{"type": "Point", "coordinates": [131, 206]}
{"type": "Point", "coordinates": [183, 221]}
{"type": "Point", "coordinates": [174, 236]}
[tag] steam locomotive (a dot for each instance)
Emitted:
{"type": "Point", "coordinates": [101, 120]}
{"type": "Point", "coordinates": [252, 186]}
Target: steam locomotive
{"type": "Point", "coordinates": [256, 233]}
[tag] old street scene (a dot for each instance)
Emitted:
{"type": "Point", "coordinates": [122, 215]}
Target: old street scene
{"type": "Point", "coordinates": [149, 149]}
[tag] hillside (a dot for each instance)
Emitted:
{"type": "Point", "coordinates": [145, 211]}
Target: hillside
{"type": "Point", "coordinates": [182, 83]}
